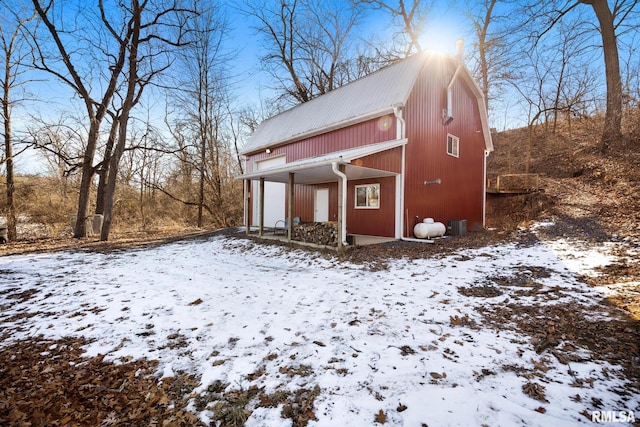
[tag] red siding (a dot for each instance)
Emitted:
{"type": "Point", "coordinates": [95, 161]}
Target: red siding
{"type": "Point", "coordinates": [365, 133]}
{"type": "Point", "coordinates": [390, 160]}
{"type": "Point", "coordinates": [461, 194]}
{"type": "Point", "coordinates": [375, 222]}
{"type": "Point", "coordinates": [304, 205]}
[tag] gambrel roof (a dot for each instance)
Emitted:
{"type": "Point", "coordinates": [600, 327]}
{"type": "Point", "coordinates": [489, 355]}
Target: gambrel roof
{"type": "Point", "coordinates": [366, 98]}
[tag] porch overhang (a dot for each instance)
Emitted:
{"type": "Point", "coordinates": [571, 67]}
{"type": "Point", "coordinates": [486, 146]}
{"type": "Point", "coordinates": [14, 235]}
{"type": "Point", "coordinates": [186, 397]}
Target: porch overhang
{"type": "Point", "coordinates": [317, 170]}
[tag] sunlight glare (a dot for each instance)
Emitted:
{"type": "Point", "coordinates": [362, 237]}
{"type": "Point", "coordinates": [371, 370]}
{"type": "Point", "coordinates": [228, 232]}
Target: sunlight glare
{"type": "Point", "coordinates": [440, 37]}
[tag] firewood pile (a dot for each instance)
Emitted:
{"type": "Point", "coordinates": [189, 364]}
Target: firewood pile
{"type": "Point", "coordinates": [319, 233]}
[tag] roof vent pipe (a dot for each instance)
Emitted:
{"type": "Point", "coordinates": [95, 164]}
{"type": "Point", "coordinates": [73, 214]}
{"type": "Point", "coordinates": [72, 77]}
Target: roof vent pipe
{"type": "Point", "coordinates": [447, 114]}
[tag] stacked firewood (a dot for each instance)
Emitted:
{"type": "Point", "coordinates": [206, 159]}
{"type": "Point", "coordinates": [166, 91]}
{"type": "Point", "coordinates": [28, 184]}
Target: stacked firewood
{"type": "Point", "coordinates": [319, 233]}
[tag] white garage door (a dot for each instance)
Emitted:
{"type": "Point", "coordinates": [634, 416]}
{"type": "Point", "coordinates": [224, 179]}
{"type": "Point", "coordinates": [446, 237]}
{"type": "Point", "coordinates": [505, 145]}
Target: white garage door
{"type": "Point", "coordinates": [274, 195]}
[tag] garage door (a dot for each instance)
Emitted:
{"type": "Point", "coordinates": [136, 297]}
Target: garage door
{"type": "Point", "coordinates": [274, 195]}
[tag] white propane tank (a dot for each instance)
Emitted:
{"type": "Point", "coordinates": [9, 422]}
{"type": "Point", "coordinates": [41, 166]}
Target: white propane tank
{"type": "Point", "coordinates": [428, 228]}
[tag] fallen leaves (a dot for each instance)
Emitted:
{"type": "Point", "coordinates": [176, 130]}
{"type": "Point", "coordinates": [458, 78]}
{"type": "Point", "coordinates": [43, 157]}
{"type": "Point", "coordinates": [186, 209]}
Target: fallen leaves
{"type": "Point", "coordinates": [45, 382]}
{"type": "Point", "coordinates": [535, 391]}
{"type": "Point", "coordinates": [462, 321]}
{"type": "Point", "coordinates": [380, 417]}
{"type": "Point", "coordinates": [437, 375]}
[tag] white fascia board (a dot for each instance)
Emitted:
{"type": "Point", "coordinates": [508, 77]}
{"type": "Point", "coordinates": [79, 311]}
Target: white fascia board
{"type": "Point", "coordinates": [482, 108]}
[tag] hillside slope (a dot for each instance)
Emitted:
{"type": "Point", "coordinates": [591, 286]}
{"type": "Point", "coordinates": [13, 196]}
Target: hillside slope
{"type": "Point", "coordinates": [588, 196]}
{"type": "Point", "coordinates": [583, 187]}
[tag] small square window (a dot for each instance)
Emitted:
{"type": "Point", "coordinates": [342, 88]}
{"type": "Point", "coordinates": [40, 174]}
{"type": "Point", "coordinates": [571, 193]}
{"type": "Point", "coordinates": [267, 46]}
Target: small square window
{"type": "Point", "coordinates": [453, 146]}
{"type": "Point", "coordinates": [368, 196]}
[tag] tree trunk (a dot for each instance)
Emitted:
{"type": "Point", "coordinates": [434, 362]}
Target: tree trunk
{"type": "Point", "coordinates": [613, 118]}
{"type": "Point", "coordinates": [201, 185]}
{"type": "Point", "coordinates": [104, 169]}
{"type": "Point", "coordinates": [112, 176]}
{"type": "Point", "coordinates": [87, 178]}
{"type": "Point", "coordinates": [482, 32]}
{"type": "Point", "coordinates": [8, 146]}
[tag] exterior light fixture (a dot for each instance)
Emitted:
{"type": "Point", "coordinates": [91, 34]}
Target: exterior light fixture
{"type": "Point", "coordinates": [268, 151]}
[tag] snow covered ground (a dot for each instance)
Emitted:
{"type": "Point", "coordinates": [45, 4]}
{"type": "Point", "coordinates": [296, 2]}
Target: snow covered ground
{"type": "Point", "coordinates": [407, 345]}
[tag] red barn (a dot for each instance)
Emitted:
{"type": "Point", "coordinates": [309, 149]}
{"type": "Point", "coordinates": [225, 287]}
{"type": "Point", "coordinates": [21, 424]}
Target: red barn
{"type": "Point", "coordinates": [376, 155]}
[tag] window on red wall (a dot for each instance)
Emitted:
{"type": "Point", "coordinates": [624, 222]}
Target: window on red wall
{"type": "Point", "coordinates": [368, 196]}
{"type": "Point", "coordinates": [453, 145]}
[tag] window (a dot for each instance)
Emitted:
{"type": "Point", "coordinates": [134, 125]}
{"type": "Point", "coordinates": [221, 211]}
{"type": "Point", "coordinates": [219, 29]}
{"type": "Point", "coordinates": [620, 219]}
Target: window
{"type": "Point", "coordinates": [453, 145]}
{"type": "Point", "coordinates": [368, 196]}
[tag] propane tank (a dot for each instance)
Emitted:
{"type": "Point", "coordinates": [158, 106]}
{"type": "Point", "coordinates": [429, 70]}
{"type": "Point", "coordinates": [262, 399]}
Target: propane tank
{"type": "Point", "coordinates": [428, 228]}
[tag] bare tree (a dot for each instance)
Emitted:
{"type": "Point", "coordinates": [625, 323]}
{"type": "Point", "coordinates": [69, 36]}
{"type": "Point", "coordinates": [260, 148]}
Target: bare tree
{"type": "Point", "coordinates": [613, 118]}
{"type": "Point", "coordinates": [203, 104]}
{"type": "Point", "coordinates": [126, 47]}
{"type": "Point", "coordinates": [305, 43]}
{"type": "Point", "coordinates": [573, 66]}
{"type": "Point", "coordinates": [609, 21]}
{"type": "Point", "coordinates": [150, 29]}
{"type": "Point", "coordinates": [73, 58]}
{"type": "Point", "coordinates": [60, 145]}
{"type": "Point", "coordinates": [493, 54]}
{"type": "Point", "coordinates": [15, 50]}
{"type": "Point", "coordinates": [410, 17]}
{"type": "Point", "coordinates": [532, 84]}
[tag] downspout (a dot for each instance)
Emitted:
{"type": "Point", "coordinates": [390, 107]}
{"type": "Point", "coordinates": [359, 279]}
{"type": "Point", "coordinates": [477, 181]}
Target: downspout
{"type": "Point", "coordinates": [401, 134]}
{"type": "Point", "coordinates": [484, 190]}
{"type": "Point", "coordinates": [343, 178]}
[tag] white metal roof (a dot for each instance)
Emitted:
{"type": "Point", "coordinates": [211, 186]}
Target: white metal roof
{"type": "Point", "coordinates": [372, 95]}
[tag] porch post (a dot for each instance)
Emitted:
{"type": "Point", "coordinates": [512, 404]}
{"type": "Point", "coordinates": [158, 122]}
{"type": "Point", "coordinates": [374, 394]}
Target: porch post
{"type": "Point", "coordinates": [261, 208]}
{"type": "Point", "coordinates": [290, 207]}
{"type": "Point", "coordinates": [247, 204]}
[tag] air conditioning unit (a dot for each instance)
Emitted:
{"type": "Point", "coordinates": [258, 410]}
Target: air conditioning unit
{"type": "Point", "coordinates": [457, 227]}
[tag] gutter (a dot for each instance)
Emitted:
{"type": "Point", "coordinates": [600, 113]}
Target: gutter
{"type": "Point", "coordinates": [343, 179]}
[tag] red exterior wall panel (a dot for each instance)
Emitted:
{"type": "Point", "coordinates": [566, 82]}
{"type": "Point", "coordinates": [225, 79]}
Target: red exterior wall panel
{"type": "Point", "coordinates": [375, 222]}
{"type": "Point", "coordinates": [390, 160]}
{"type": "Point", "coordinates": [461, 193]}
{"type": "Point", "coordinates": [370, 132]}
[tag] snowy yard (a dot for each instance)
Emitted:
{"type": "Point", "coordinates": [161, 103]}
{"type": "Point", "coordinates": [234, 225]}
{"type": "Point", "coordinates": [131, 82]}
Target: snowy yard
{"type": "Point", "coordinates": [437, 341]}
